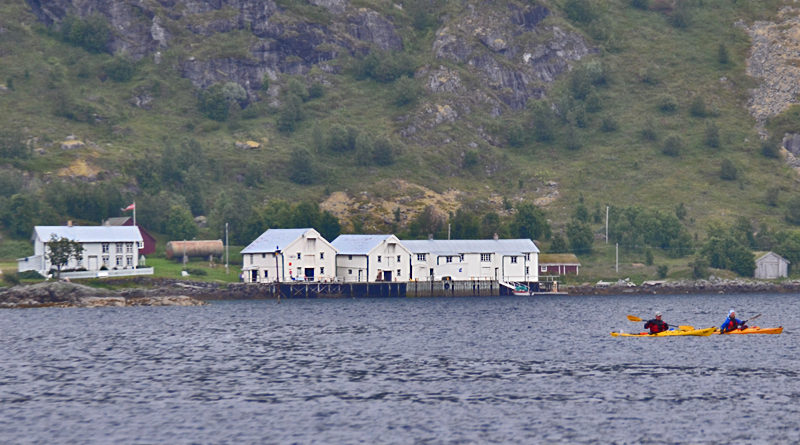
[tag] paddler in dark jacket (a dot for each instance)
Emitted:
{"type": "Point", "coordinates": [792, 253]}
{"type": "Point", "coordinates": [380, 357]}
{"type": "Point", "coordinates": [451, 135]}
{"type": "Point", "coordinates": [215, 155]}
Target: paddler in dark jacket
{"type": "Point", "coordinates": [732, 323]}
{"type": "Point", "coordinates": [656, 325]}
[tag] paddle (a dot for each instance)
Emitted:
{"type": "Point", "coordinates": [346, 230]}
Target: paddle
{"type": "Point", "coordinates": [680, 328]}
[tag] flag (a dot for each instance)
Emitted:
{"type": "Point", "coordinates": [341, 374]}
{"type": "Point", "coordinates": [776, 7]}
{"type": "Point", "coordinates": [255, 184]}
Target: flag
{"type": "Point", "coordinates": [130, 207]}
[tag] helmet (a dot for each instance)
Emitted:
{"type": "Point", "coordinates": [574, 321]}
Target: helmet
{"type": "Point", "coordinates": [731, 312]}
{"type": "Point", "coordinates": [658, 313]}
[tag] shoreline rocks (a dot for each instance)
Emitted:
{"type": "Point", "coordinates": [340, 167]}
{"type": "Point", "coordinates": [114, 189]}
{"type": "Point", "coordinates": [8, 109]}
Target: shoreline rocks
{"type": "Point", "coordinates": [64, 294]}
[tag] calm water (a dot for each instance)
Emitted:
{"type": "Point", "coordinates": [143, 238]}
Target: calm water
{"type": "Point", "coordinates": [468, 370]}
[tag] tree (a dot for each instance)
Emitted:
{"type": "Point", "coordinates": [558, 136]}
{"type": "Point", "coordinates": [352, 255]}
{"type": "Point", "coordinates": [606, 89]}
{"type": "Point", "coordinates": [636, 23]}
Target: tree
{"type": "Point", "coordinates": [406, 91]}
{"type": "Point", "coordinates": [302, 169]}
{"type": "Point", "coordinates": [60, 250]}
{"type": "Point", "coordinates": [465, 225]}
{"type": "Point", "coordinates": [180, 224]}
{"type": "Point", "coordinates": [530, 222]}
{"type": "Point", "coordinates": [212, 103]}
{"type": "Point", "coordinates": [672, 146]}
{"type": "Point", "coordinates": [722, 54]}
{"type": "Point", "coordinates": [558, 245]}
{"type": "Point", "coordinates": [712, 135]}
{"type": "Point", "coordinates": [793, 210]}
{"type": "Point", "coordinates": [580, 236]}
{"type": "Point", "coordinates": [728, 171]}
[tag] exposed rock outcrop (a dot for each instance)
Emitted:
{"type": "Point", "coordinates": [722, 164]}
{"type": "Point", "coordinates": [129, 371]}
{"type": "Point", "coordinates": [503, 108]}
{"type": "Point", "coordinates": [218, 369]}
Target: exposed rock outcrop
{"type": "Point", "coordinates": [64, 294]}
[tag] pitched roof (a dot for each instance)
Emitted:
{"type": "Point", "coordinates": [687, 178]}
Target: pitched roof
{"type": "Point", "coordinates": [116, 221]}
{"type": "Point", "coordinates": [760, 255]}
{"type": "Point", "coordinates": [274, 239]}
{"type": "Point", "coordinates": [357, 244]}
{"type": "Point", "coordinates": [455, 247]}
{"type": "Point", "coordinates": [558, 258]}
{"type": "Point", "coordinates": [89, 234]}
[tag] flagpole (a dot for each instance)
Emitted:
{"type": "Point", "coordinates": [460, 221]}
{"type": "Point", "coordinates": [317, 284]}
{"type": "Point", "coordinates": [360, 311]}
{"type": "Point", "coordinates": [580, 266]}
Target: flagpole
{"type": "Point", "coordinates": [134, 213]}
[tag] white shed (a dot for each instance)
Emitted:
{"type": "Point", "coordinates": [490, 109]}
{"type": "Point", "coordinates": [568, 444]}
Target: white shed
{"type": "Point", "coordinates": [363, 258]}
{"type": "Point", "coordinates": [285, 255]}
{"type": "Point", "coordinates": [770, 265]}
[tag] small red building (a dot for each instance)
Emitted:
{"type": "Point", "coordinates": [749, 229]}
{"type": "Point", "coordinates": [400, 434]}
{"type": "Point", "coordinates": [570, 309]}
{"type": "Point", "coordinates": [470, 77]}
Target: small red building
{"type": "Point", "coordinates": [558, 264]}
{"type": "Point", "coordinates": [149, 242]}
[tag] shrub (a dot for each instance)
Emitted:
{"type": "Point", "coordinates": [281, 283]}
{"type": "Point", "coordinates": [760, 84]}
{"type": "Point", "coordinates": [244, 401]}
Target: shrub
{"type": "Point", "coordinates": [640, 4]}
{"type": "Point", "coordinates": [341, 138]}
{"type": "Point", "coordinates": [212, 103]}
{"type": "Point", "coordinates": [580, 11]}
{"type": "Point", "coordinates": [698, 107]}
{"type": "Point", "coordinates": [722, 54]}
{"type": "Point", "coordinates": [11, 279]}
{"type": "Point", "coordinates": [119, 69]}
{"type": "Point", "coordinates": [648, 132]}
{"type": "Point", "coordinates": [672, 146]}
{"type": "Point", "coordinates": [667, 104]}
{"type": "Point", "coordinates": [681, 16]}
{"type": "Point", "coordinates": [712, 135]}
{"type": "Point", "coordinates": [609, 124]}
{"type": "Point", "coordinates": [301, 168]}
{"type": "Point", "coordinates": [471, 160]}
{"type": "Point", "coordinates": [771, 196]}
{"type": "Point", "coordinates": [793, 210]}
{"type": "Point", "coordinates": [30, 275]}
{"type": "Point", "coordinates": [92, 33]}
{"type": "Point", "coordinates": [383, 152]}
{"type": "Point", "coordinates": [728, 171]}
{"type": "Point", "coordinates": [662, 271]}
{"type": "Point", "coordinates": [406, 91]}
{"type": "Point", "coordinates": [770, 150]}
{"type": "Point", "coordinates": [196, 271]}
{"type": "Point", "coordinates": [316, 91]}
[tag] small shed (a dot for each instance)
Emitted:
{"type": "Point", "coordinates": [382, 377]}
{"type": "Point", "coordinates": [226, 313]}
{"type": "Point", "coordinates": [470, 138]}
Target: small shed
{"type": "Point", "coordinates": [559, 264]}
{"type": "Point", "coordinates": [770, 265]}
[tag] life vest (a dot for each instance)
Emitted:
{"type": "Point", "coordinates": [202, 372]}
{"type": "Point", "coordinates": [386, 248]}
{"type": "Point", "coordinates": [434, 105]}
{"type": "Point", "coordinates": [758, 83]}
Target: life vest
{"type": "Point", "coordinates": [656, 326]}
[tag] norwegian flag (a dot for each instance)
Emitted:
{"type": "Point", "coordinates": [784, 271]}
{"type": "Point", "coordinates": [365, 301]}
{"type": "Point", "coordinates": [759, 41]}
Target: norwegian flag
{"type": "Point", "coordinates": [130, 207]}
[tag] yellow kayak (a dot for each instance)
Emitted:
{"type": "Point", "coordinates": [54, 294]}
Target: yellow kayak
{"type": "Point", "coordinates": [754, 330]}
{"type": "Point", "coordinates": [695, 332]}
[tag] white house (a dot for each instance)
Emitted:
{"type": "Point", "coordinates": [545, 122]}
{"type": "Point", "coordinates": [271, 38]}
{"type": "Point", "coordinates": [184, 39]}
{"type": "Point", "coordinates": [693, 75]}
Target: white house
{"type": "Point", "coordinates": [112, 248]}
{"type": "Point", "coordinates": [288, 255]}
{"type": "Point", "coordinates": [770, 265]}
{"type": "Point", "coordinates": [503, 260]}
{"type": "Point", "coordinates": [363, 258]}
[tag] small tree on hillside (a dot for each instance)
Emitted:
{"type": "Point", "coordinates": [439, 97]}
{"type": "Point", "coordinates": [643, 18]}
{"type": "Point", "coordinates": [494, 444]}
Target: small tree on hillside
{"type": "Point", "coordinates": [60, 250]}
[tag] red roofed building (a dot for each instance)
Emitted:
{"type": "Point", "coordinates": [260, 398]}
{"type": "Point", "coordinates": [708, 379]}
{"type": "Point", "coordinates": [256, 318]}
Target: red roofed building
{"type": "Point", "coordinates": [149, 241]}
{"type": "Point", "coordinates": [558, 264]}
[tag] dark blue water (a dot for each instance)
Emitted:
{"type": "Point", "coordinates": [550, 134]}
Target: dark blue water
{"type": "Point", "coordinates": [469, 370]}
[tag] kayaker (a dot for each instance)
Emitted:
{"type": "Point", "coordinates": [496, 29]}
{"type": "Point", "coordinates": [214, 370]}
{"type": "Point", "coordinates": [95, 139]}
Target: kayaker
{"type": "Point", "coordinates": [656, 325]}
{"type": "Point", "coordinates": [732, 323]}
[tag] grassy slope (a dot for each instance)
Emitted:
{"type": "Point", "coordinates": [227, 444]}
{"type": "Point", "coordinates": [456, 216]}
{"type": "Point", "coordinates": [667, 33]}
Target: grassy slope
{"type": "Point", "coordinates": [616, 168]}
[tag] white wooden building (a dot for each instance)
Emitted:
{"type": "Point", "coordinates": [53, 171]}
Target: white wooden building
{"type": "Point", "coordinates": [501, 260]}
{"type": "Point", "coordinates": [113, 249]}
{"type": "Point", "coordinates": [770, 265]}
{"type": "Point", "coordinates": [363, 258]}
{"type": "Point", "coordinates": [289, 255]}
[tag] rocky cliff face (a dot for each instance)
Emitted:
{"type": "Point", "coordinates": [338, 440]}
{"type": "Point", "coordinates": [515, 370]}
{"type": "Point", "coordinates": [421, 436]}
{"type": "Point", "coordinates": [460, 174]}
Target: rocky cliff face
{"type": "Point", "coordinates": [511, 49]}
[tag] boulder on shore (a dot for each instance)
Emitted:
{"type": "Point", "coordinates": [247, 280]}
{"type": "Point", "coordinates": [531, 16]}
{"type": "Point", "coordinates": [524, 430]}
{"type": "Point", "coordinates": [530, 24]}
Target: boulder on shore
{"type": "Point", "coordinates": [65, 294]}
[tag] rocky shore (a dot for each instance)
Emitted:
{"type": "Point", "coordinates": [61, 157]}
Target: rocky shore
{"type": "Point", "coordinates": [712, 285]}
{"type": "Point", "coordinates": [166, 292]}
{"type": "Point", "coordinates": [64, 294]}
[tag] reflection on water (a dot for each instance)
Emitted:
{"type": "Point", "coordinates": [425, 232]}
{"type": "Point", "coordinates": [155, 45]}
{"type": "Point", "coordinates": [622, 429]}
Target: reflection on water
{"type": "Point", "coordinates": [470, 370]}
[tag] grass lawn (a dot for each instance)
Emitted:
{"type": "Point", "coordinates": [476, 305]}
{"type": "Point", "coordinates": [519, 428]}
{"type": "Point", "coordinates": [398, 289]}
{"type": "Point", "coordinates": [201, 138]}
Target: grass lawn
{"type": "Point", "coordinates": [164, 268]}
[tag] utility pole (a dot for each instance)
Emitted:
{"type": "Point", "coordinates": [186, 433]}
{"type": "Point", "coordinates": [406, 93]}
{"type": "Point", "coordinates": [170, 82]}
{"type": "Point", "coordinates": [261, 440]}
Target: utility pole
{"type": "Point", "coordinates": [606, 224]}
{"type": "Point", "coordinates": [448, 231]}
{"type": "Point", "coordinates": [616, 262]}
{"type": "Point", "coordinates": [226, 248]}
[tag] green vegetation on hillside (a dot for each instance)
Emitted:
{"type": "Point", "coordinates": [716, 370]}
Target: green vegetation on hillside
{"type": "Point", "coordinates": [654, 119]}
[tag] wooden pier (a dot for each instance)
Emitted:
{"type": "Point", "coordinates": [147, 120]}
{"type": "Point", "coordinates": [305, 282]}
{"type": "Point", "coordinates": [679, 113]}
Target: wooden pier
{"type": "Point", "coordinates": [399, 289]}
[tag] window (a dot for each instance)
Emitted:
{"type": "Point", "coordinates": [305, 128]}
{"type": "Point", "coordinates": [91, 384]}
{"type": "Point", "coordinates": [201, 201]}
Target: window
{"type": "Point", "coordinates": [527, 256]}
{"type": "Point", "coordinates": [349, 257]}
{"type": "Point", "coordinates": [379, 258]}
{"type": "Point", "coordinates": [266, 273]}
{"type": "Point", "coordinates": [140, 244]}
{"type": "Point", "coordinates": [105, 260]}
{"type": "Point", "coordinates": [128, 247]}
{"type": "Point", "coordinates": [486, 257]}
{"type": "Point", "coordinates": [263, 255]}
{"type": "Point", "coordinates": [513, 260]}
{"type": "Point", "coordinates": [349, 271]}
{"type": "Point", "coordinates": [119, 261]}
{"type": "Point", "coordinates": [118, 247]}
{"type": "Point", "coordinates": [461, 258]}
{"type": "Point", "coordinates": [298, 255]}
{"type": "Point", "coordinates": [398, 273]}
{"type": "Point", "coordinates": [105, 247]}
{"type": "Point", "coordinates": [420, 257]}
{"type": "Point", "coordinates": [322, 255]}
{"type": "Point", "coordinates": [449, 259]}
{"type": "Point", "coordinates": [322, 271]}
{"type": "Point", "coordinates": [543, 268]}
{"type": "Point", "coordinates": [398, 258]}
{"type": "Point", "coordinates": [129, 261]}
{"type": "Point", "coordinates": [527, 270]}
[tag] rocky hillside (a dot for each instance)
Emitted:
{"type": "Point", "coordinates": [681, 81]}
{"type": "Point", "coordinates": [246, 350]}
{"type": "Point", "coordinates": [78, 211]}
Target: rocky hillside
{"type": "Point", "coordinates": [381, 109]}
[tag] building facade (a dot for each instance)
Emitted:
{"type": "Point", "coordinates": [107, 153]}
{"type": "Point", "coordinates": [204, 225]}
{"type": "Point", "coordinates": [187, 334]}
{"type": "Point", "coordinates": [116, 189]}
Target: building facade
{"type": "Point", "coordinates": [104, 248]}
{"type": "Point", "coordinates": [148, 241]}
{"type": "Point", "coordinates": [282, 255]}
{"type": "Point", "coordinates": [371, 258]}
{"type": "Point", "coordinates": [770, 265]}
{"type": "Point", "coordinates": [557, 264]}
{"type": "Point", "coordinates": [499, 260]}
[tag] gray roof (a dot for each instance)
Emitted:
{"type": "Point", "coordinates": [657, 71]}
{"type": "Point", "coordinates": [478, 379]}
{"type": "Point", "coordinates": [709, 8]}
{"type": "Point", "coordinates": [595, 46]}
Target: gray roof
{"type": "Point", "coordinates": [357, 244]}
{"type": "Point", "coordinates": [457, 247]}
{"type": "Point", "coordinates": [90, 234]}
{"type": "Point", "coordinates": [116, 221]}
{"type": "Point", "coordinates": [274, 239]}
